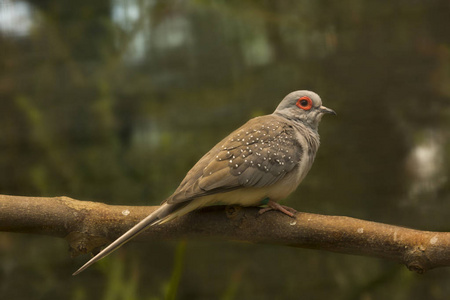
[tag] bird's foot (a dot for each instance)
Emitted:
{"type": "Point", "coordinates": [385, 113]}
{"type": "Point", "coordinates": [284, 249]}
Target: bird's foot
{"type": "Point", "coordinates": [272, 205]}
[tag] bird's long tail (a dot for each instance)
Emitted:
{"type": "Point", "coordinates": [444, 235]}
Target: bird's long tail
{"type": "Point", "coordinates": [154, 218]}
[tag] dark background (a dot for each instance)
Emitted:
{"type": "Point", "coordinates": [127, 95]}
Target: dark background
{"type": "Point", "coordinates": [114, 100]}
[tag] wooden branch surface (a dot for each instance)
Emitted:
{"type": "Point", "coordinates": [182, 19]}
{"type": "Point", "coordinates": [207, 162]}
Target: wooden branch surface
{"type": "Point", "coordinates": [88, 225]}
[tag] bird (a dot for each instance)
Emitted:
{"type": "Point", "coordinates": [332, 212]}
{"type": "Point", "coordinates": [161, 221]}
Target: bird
{"type": "Point", "coordinates": [262, 162]}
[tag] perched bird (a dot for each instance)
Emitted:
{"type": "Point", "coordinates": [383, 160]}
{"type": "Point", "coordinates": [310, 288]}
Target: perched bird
{"type": "Point", "coordinates": [261, 162]}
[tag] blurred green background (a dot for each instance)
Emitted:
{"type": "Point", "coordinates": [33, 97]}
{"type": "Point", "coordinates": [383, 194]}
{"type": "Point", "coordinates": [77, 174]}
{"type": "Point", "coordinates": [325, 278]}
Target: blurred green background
{"type": "Point", "coordinates": [114, 100]}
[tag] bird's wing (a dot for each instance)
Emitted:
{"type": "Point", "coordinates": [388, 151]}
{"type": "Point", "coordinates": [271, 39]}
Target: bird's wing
{"type": "Point", "coordinates": [258, 154]}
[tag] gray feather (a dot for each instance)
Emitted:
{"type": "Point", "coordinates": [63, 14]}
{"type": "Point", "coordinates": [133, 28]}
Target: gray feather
{"type": "Point", "coordinates": [150, 220]}
{"type": "Point", "coordinates": [258, 154]}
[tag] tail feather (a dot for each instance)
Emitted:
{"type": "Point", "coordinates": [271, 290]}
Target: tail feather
{"type": "Point", "coordinates": [153, 218]}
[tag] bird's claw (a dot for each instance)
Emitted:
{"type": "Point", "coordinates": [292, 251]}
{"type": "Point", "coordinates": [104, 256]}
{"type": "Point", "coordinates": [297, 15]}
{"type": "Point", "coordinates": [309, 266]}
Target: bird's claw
{"type": "Point", "coordinates": [272, 205]}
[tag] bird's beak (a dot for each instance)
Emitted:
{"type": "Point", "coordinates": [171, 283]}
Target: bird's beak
{"type": "Point", "coordinates": [326, 110]}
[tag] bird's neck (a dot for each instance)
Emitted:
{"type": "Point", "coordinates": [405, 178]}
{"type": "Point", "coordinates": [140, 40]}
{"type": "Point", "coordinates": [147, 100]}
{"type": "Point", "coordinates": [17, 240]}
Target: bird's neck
{"type": "Point", "coordinates": [310, 134]}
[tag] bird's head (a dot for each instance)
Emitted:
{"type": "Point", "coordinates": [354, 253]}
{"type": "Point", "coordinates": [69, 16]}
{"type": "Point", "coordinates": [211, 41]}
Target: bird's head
{"type": "Point", "coordinates": [303, 106]}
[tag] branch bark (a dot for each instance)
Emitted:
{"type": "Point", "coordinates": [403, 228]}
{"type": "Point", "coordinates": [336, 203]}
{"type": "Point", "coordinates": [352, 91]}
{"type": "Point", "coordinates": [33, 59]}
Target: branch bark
{"type": "Point", "coordinates": [89, 225]}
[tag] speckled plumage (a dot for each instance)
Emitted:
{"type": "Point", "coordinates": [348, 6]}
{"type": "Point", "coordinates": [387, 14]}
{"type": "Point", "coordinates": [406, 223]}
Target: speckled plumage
{"type": "Point", "coordinates": [258, 154]}
{"type": "Point", "coordinates": [267, 157]}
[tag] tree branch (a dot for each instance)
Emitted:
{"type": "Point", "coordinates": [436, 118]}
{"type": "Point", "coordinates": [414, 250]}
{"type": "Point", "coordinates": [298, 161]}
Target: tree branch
{"type": "Point", "coordinates": [89, 225]}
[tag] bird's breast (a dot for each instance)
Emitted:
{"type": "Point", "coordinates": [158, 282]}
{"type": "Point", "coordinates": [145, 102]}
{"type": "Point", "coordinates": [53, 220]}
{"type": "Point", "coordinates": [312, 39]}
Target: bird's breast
{"type": "Point", "coordinates": [309, 143]}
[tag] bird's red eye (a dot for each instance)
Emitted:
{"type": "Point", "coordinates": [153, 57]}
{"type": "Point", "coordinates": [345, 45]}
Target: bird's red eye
{"type": "Point", "coordinates": [304, 103]}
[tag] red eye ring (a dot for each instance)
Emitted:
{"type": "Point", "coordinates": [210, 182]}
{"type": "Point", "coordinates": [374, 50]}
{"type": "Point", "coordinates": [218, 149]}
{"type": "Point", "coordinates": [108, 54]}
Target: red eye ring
{"type": "Point", "coordinates": [304, 103]}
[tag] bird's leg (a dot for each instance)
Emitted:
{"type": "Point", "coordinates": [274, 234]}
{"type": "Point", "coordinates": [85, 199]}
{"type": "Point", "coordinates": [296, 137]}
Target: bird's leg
{"type": "Point", "coordinates": [272, 205]}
